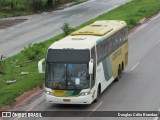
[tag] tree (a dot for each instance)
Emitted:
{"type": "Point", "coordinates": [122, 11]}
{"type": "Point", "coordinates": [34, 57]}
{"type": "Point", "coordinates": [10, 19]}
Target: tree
{"type": "Point", "coordinates": [49, 2]}
{"type": "Point", "coordinates": [37, 4]}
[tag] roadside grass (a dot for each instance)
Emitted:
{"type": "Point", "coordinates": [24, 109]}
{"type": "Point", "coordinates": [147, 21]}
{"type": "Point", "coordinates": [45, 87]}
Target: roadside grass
{"type": "Point", "coordinates": [131, 12]}
{"type": "Point", "coordinates": [8, 92]}
{"type": "Point", "coordinates": [11, 8]}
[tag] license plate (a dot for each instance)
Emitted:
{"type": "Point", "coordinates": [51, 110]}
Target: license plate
{"type": "Point", "coordinates": [66, 100]}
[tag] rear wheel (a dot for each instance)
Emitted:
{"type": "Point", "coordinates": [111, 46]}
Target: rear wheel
{"type": "Point", "coordinates": [119, 74]}
{"type": "Point", "coordinates": [122, 66]}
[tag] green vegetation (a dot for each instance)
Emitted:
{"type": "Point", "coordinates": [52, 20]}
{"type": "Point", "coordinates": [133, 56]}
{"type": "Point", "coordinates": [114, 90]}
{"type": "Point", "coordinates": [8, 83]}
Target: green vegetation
{"type": "Point", "coordinates": [9, 8]}
{"type": "Point", "coordinates": [131, 12]}
{"type": "Point", "coordinates": [22, 62]}
{"type": "Point", "coordinates": [33, 52]}
{"type": "Point", "coordinates": [2, 65]}
{"type": "Point", "coordinates": [66, 29]}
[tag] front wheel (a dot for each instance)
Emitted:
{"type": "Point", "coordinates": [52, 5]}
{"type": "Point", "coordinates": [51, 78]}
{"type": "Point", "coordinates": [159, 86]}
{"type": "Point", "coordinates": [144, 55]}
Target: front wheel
{"type": "Point", "coordinates": [98, 94]}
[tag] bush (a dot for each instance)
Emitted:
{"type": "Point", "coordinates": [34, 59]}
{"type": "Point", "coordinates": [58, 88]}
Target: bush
{"type": "Point", "coordinates": [66, 29]}
{"type": "Point", "coordinates": [32, 52]}
{"type": "Point", "coordinates": [132, 22]}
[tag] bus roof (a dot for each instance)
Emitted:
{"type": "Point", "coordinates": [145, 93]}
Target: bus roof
{"type": "Point", "coordinates": [87, 37]}
{"type": "Point", "coordinates": [75, 42]}
{"type": "Point", "coordinates": [101, 28]}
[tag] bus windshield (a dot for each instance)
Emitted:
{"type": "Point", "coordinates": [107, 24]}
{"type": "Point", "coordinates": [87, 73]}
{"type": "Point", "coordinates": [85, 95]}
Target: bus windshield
{"type": "Point", "coordinates": [62, 76]}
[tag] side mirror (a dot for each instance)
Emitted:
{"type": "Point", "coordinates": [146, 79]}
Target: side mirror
{"type": "Point", "coordinates": [40, 66]}
{"type": "Point", "coordinates": [91, 66]}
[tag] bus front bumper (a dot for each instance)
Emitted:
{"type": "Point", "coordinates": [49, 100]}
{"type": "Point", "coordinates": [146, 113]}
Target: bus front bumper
{"type": "Point", "coordinates": [69, 100]}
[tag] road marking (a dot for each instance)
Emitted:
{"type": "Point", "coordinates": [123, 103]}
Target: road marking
{"type": "Point", "coordinates": [135, 66]}
{"type": "Point", "coordinates": [97, 106]}
{"type": "Point", "coordinates": [94, 109]}
{"type": "Point", "coordinates": [137, 29]}
{"type": "Point", "coordinates": [156, 118]}
{"type": "Point", "coordinates": [141, 27]}
{"type": "Point", "coordinates": [155, 17]}
{"type": "Point", "coordinates": [157, 42]}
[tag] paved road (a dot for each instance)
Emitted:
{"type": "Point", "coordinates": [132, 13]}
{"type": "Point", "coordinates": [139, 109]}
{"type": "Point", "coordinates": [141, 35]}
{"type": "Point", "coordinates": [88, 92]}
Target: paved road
{"type": "Point", "coordinates": [44, 26]}
{"type": "Point", "coordinates": [138, 90]}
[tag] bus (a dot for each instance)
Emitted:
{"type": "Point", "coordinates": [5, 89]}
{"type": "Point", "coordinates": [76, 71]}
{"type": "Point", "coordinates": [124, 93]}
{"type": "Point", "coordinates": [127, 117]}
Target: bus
{"type": "Point", "coordinates": [82, 65]}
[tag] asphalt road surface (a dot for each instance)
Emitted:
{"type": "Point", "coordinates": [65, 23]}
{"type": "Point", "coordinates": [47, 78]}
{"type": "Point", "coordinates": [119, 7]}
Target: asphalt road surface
{"type": "Point", "coordinates": [139, 87]}
{"type": "Point", "coordinates": [44, 26]}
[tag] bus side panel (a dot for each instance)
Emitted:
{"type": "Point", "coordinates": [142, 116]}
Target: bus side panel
{"type": "Point", "coordinates": [107, 67]}
{"type": "Point", "coordinates": [104, 73]}
{"type": "Point", "coordinates": [100, 78]}
{"type": "Point", "coordinates": [126, 53]}
{"type": "Point", "coordinates": [118, 56]}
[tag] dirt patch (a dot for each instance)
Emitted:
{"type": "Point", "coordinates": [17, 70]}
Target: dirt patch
{"type": "Point", "coordinates": [22, 99]}
{"type": "Point", "coordinates": [142, 20]}
{"type": "Point", "coordinates": [8, 23]}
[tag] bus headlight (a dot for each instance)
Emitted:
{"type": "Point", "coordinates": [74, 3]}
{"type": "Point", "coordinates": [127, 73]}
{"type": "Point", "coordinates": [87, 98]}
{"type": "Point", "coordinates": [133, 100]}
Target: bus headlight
{"type": "Point", "coordinates": [49, 93]}
{"type": "Point", "coordinates": [85, 93]}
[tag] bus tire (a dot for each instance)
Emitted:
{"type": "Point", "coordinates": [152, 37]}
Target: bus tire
{"type": "Point", "coordinates": [98, 94]}
{"type": "Point", "coordinates": [119, 74]}
{"type": "Point", "coordinates": [122, 66]}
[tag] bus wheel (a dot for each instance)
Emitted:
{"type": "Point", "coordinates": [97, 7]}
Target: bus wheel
{"type": "Point", "coordinates": [119, 74]}
{"type": "Point", "coordinates": [122, 66]}
{"type": "Point", "coordinates": [98, 94]}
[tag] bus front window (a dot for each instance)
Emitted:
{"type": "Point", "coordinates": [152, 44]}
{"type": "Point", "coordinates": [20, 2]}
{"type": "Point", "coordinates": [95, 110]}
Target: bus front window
{"type": "Point", "coordinates": [67, 76]}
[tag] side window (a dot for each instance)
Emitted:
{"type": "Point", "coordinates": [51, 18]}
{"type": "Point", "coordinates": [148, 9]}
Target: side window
{"type": "Point", "coordinates": [124, 38]}
{"type": "Point", "coordinates": [126, 33]}
{"type": "Point", "coordinates": [123, 35]}
{"type": "Point", "coordinates": [120, 39]}
{"type": "Point", "coordinates": [109, 47]}
{"type": "Point", "coordinates": [115, 41]}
